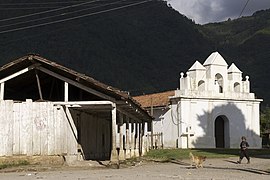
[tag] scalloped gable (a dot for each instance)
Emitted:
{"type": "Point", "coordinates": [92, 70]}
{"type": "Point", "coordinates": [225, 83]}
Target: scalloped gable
{"type": "Point", "coordinates": [234, 69]}
{"type": "Point", "coordinates": [197, 66]}
{"type": "Point", "coordinates": [215, 59]}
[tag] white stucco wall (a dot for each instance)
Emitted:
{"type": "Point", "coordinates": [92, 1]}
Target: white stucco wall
{"type": "Point", "coordinates": [165, 122]}
{"type": "Point", "coordinates": [199, 115]}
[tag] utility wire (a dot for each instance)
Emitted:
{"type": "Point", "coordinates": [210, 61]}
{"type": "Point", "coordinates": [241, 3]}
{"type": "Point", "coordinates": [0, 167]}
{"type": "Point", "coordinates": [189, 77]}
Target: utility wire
{"type": "Point", "coordinates": [40, 3]}
{"type": "Point", "coordinates": [28, 8]}
{"type": "Point", "coordinates": [73, 18]}
{"type": "Point", "coordinates": [9, 41]}
{"type": "Point", "coordinates": [62, 14]}
{"type": "Point", "coordinates": [244, 8]}
{"type": "Point", "coordinates": [43, 12]}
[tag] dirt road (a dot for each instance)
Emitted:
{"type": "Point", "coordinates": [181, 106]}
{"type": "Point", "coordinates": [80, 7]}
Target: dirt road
{"type": "Point", "coordinates": [218, 169]}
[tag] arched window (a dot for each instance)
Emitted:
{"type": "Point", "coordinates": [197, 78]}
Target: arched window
{"type": "Point", "coordinates": [201, 85]}
{"type": "Point", "coordinates": [236, 87]}
{"type": "Point", "coordinates": [219, 82]}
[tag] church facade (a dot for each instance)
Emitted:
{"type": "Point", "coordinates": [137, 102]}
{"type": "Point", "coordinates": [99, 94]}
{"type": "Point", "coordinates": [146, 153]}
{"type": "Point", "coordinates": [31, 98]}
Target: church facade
{"type": "Point", "coordinates": [214, 107]}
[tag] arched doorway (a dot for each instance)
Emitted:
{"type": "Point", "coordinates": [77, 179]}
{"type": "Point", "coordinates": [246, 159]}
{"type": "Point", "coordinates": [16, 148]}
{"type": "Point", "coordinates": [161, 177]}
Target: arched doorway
{"type": "Point", "coordinates": [222, 132]}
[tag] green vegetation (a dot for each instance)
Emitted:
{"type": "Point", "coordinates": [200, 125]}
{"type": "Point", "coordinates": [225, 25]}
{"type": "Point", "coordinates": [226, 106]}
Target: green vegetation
{"type": "Point", "coordinates": [265, 120]}
{"type": "Point", "coordinates": [170, 154]}
{"type": "Point", "coordinates": [143, 48]}
{"type": "Point", "coordinates": [7, 164]}
{"type": "Point", "coordinates": [237, 32]}
{"type": "Point", "coordinates": [265, 126]}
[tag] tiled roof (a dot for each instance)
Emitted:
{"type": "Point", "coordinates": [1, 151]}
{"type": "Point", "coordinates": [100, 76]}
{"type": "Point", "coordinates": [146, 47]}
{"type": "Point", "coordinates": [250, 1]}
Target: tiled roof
{"type": "Point", "coordinates": [156, 100]}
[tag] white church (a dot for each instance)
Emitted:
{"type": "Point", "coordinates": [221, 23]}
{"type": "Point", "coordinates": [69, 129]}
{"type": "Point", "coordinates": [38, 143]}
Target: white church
{"type": "Point", "coordinates": [212, 109]}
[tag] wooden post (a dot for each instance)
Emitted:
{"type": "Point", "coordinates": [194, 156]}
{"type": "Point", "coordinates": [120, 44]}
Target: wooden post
{"type": "Point", "coordinates": [127, 137]}
{"type": "Point", "coordinates": [121, 142]}
{"type": "Point", "coordinates": [66, 92]}
{"type": "Point", "coordinates": [146, 137]}
{"type": "Point", "coordinates": [140, 139]}
{"type": "Point", "coordinates": [162, 145]}
{"type": "Point", "coordinates": [137, 141]}
{"type": "Point", "coordinates": [152, 130]}
{"type": "Point", "coordinates": [144, 149]}
{"type": "Point", "coordinates": [141, 127]}
{"type": "Point", "coordinates": [114, 153]}
{"type": "Point", "coordinates": [2, 90]}
{"type": "Point", "coordinates": [132, 141]}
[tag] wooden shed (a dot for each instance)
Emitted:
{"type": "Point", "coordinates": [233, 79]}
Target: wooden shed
{"type": "Point", "coordinates": [48, 109]}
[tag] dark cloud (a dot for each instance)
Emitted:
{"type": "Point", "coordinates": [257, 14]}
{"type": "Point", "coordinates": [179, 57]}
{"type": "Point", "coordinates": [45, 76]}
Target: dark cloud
{"type": "Point", "coordinates": [204, 11]}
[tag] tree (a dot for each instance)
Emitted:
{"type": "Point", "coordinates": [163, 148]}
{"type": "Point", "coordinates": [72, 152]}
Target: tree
{"type": "Point", "coordinates": [265, 120]}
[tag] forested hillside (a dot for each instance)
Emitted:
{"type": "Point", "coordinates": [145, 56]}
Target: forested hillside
{"type": "Point", "coordinates": [245, 41]}
{"type": "Point", "coordinates": [134, 45]}
{"type": "Point", "coordinates": [141, 48]}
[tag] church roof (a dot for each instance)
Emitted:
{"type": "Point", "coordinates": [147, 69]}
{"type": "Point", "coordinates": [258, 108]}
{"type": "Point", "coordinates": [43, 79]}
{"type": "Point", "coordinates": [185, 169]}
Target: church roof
{"type": "Point", "coordinates": [215, 59]}
{"type": "Point", "coordinates": [234, 69]}
{"type": "Point", "coordinates": [155, 100]}
{"type": "Point", "coordinates": [197, 66]}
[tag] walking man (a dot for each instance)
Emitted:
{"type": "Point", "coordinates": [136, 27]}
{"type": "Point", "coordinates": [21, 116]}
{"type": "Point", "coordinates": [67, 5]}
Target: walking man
{"type": "Point", "coordinates": [244, 150]}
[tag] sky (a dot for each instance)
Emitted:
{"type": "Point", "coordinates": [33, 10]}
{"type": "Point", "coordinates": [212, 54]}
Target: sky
{"type": "Point", "coordinates": [206, 11]}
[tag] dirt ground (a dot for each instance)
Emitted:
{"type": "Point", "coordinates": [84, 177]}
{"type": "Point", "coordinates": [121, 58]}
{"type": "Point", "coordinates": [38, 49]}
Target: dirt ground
{"type": "Point", "coordinates": [214, 169]}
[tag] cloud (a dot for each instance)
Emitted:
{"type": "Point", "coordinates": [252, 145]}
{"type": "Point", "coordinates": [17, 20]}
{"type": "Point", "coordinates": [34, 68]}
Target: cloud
{"type": "Point", "coordinates": [205, 11]}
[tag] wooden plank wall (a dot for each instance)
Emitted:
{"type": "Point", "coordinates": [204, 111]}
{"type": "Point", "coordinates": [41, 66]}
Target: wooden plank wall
{"type": "Point", "coordinates": [35, 128]}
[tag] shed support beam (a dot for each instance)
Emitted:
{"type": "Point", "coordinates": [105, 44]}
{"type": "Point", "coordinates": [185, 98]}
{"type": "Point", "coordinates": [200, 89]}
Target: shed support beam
{"type": "Point", "coordinates": [128, 128]}
{"type": "Point", "coordinates": [2, 90]}
{"type": "Point", "coordinates": [74, 103]}
{"type": "Point", "coordinates": [132, 138]}
{"type": "Point", "coordinates": [66, 92]}
{"type": "Point", "coordinates": [17, 73]}
{"type": "Point", "coordinates": [114, 152]}
{"type": "Point", "coordinates": [39, 87]}
{"type": "Point", "coordinates": [121, 135]}
{"type": "Point", "coordinates": [140, 139]}
{"type": "Point", "coordinates": [137, 137]}
{"type": "Point", "coordinates": [129, 114]}
{"type": "Point", "coordinates": [74, 83]}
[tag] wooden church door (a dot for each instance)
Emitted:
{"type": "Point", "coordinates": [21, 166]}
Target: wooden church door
{"type": "Point", "coordinates": [219, 132]}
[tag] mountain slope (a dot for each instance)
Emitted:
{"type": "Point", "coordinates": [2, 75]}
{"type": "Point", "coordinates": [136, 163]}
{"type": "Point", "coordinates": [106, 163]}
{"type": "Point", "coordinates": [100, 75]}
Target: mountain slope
{"type": "Point", "coordinates": [140, 48]}
{"type": "Point", "coordinates": [245, 41]}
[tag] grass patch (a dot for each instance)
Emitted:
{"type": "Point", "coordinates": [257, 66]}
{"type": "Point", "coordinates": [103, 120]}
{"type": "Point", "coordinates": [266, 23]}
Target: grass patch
{"type": "Point", "coordinates": [169, 154]}
{"type": "Point", "coordinates": [4, 165]}
{"type": "Point", "coordinates": [265, 31]}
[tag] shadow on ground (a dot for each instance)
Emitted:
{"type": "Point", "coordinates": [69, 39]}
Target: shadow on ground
{"type": "Point", "coordinates": [244, 168]}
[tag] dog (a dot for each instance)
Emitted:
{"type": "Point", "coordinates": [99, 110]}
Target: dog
{"type": "Point", "coordinates": [197, 160]}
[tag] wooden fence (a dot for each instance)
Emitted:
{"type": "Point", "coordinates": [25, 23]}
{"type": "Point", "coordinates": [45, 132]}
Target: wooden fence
{"type": "Point", "coordinates": [157, 140]}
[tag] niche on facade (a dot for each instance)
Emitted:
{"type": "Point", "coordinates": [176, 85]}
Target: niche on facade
{"type": "Point", "coordinates": [219, 83]}
{"type": "Point", "coordinates": [236, 87]}
{"type": "Point", "coordinates": [201, 85]}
